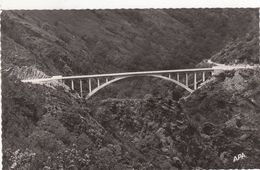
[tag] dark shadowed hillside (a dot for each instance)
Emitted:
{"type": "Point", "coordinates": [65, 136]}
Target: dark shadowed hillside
{"type": "Point", "coordinates": [119, 40]}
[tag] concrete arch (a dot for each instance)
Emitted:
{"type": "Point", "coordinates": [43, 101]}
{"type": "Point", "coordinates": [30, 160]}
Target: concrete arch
{"type": "Point", "coordinates": [124, 77]}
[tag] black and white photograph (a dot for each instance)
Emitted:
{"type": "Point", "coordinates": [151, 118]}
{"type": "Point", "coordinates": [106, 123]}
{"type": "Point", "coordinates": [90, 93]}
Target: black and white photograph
{"type": "Point", "coordinates": [130, 89]}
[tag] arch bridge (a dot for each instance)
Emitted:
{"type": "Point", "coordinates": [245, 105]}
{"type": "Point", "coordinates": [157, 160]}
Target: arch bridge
{"type": "Point", "coordinates": [88, 85]}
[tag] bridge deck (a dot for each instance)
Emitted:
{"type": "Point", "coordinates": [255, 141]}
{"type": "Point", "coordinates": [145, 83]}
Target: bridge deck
{"type": "Point", "coordinates": [140, 73]}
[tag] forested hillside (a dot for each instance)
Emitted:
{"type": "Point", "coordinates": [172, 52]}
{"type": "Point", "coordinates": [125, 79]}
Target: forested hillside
{"type": "Point", "coordinates": [70, 42]}
{"type": "Point", "coordinates": [139, 123]}
{"type": "Point", "coordinates": [119, 40]}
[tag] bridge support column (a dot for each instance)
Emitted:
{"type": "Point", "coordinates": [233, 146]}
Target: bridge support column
{"type": "Point", "coordinates": [187, 79]}
{"type": "Point", "coordinates": [98, 82]}
{"type": "Point", "coordinates": [203, 76]}
{"type": "Point", "coordinates": [178, 77]}
{"type": "Point", "coordinates": [169, 76]}
{"type": "Point", "coordinates": [80, 84]}
{"type": "Point", "coordinates": [195, 81]}
{"type": "Point", "coordinates": [89, 85]}
{"type": "Point", "coordinates": [72, 85]}
{"type": "Point", "coordinates": [106, 80]}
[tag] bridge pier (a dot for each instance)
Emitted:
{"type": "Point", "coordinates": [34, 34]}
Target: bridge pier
{"type": "Point", "coordinates": [81, 91]}
{"type": "Point", "coordinates": [203, 76]}
{"type": "Point", "coordinates": [89, 85]}
{"type": "Point", "coordinates": [72, 85]}
{"type": "Point", "coordinates": [195, 81]}
{"type": "Point", "coordinates": [187, 79]}
{"type": "Point", "coordinates": [98, 82]}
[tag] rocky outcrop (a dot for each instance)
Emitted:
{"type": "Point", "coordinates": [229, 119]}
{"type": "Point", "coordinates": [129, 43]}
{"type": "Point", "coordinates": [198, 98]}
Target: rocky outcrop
{"type": "Point", "coordinates": [27, 72]}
